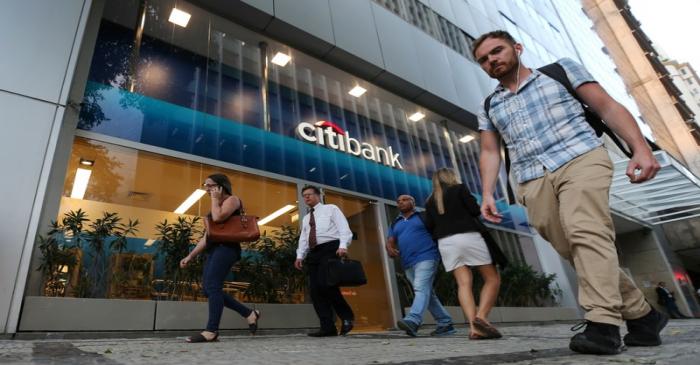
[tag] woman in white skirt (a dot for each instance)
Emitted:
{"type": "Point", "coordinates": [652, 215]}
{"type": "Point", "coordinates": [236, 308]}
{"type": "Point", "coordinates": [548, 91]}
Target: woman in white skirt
{"type": "Point", "coordinates": [452, 217]}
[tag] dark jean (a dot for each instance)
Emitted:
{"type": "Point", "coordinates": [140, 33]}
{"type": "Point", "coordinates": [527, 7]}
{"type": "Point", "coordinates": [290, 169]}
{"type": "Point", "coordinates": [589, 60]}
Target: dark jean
{"type": "Point", "coordinates": [220, 259]}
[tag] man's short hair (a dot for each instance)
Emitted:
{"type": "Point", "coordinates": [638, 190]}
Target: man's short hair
{"type": "Point", "coordinates": [311, 187]}
{"type": "Point", "coordinates": [500, 34]}
{"type": "Point", "coordinates": [413, 200]}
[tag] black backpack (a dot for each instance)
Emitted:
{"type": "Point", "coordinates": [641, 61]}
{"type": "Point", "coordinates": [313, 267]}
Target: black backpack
{"type": "Point", "coordinates": [556, 72]}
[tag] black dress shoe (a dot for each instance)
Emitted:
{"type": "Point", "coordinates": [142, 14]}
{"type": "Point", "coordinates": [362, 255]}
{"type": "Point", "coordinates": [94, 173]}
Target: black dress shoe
{"type": "Point", "coordinates": [322, 333]}
{"type": "Point", "coordinates": [346, 327]}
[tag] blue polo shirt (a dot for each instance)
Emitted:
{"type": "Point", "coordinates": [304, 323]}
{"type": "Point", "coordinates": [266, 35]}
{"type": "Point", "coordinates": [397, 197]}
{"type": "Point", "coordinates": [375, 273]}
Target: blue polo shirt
{"type": "Point", "coordinates": [415, 242]}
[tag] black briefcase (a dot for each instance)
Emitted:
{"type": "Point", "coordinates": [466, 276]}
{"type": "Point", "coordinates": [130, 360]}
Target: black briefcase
{"type": "Point", "coordinates": [344, 272]}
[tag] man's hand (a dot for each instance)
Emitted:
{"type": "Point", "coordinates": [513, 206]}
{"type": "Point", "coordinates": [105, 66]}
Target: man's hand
{"type": "Point", "coordinates": [488, 209]}
{"type": "Point", "coordinates": [644, 162]}
{"type": "Point", "coordinates": [341, 252]}
{"type": "Point", "coordinates": [299, 264]}
{"type": "Point", "coordinates": [391, 250]}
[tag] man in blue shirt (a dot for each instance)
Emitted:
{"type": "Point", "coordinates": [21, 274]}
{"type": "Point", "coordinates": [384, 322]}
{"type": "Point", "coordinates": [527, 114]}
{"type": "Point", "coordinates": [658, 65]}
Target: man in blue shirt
{"type": "Point", "coordinates": [419, 258]}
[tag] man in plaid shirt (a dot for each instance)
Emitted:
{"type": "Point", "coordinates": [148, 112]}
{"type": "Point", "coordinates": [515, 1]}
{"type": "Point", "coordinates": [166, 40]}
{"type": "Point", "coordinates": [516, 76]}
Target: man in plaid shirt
{"type": "Point", "coordinates": [564, 175]}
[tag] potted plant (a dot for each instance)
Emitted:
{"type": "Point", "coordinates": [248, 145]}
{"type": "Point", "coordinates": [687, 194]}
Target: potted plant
{"type": "Point", "coordinates": [105, 234]}
{"type": "Point", "coordinates": [175, 240]}
{"type": "Point", "coordinates": [269, 268]}
{"type": "Point", "coordinates": [61, 255]}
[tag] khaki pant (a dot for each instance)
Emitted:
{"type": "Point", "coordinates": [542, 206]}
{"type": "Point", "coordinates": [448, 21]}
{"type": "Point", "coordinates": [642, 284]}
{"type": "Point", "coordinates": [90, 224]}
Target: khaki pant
{"type": "Point", "coordinates": [569, 208]}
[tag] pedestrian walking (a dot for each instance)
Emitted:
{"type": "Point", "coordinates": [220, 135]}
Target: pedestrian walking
{"type": "Point", "coordinates": [325, 234]}
{"type": "Point", "coordinates": [668, 300]}
{"type": "Point", "coordinates": [220, 257]}
{"type": "Point", "coordinates": [452, 217]}
{"type": "Point", "coordinates": [564, 176]}
{"type": "Point", "coordinates": [410, 239]}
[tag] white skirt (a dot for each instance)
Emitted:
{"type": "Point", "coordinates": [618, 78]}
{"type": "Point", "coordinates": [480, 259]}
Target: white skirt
{"type": "Point", "coordinates": [464, 249]}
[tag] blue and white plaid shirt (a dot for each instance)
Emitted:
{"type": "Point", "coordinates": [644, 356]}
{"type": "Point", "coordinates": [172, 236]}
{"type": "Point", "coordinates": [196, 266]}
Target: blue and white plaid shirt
{"type": "Point", "coordinates": [543, 126]}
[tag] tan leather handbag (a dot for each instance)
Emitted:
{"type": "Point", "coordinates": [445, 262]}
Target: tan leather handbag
{"type": "Point", "coordinates": [237, 228]}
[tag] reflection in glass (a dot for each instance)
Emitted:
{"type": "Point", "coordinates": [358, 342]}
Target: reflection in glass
{"type": "Point", "coordinates": [140, 215]}
{"type": "Point", "coordinates": [367, 247]}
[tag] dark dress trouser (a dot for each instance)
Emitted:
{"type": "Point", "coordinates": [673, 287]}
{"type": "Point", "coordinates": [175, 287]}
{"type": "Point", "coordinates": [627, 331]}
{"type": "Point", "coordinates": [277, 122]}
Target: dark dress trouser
{"type": "Point", "coordinates": [325, 298]}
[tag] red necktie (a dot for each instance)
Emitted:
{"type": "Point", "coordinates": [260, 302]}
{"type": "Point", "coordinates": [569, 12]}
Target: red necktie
{"type": "Point", "coordinates": [312, 230]}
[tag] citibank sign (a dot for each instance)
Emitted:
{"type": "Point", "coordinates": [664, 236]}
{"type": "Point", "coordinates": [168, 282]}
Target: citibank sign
{"type": "Point", "coordinates": [330, 135]}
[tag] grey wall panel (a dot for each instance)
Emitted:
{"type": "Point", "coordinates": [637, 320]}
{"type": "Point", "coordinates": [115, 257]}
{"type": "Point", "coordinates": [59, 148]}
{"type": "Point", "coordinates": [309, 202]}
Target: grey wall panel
{"type": "Point", "coordinates": [464, 16]}
{"type": "Point", "coordinates": [79, 314]}
{"type": "Point", "coordinates": [478, 4]}
{"type": "Point", "coordinates": [399, 51]}
{"type": "Point", "coordinates": [36, 65]}
{"type": "Point", "coordinates": [26, 127]}
{"type": "Point", "coordinates": [311, 16]}
{"type": "Point", "coordinates": [355, 31]}
{"type": "Point", "coordinates": [255, 14]}
{"type": "Point", "coordinates": [267, 6]}
{"type": "Point", "coordinates": [464, 75]}
{"type": "Point", "coordinates": [485, 24]}
{"type": "Point", "coordinates": [193, 315]}
{"type": "Point", "coordinates": [444, 8]}
{"type": "Point", "coordinates": [435, 68]}
{"type": "Point", "coordinates": [487, 83]}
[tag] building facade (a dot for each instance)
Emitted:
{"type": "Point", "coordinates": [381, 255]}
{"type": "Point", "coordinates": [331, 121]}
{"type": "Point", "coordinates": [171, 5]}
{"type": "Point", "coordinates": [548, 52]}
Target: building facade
{"type": "Point", "coordinates": [127, 106]}
{"type": "Point", "coordinates": [672, 125]}
{"type": "Point", "coordinates": [686, 80]}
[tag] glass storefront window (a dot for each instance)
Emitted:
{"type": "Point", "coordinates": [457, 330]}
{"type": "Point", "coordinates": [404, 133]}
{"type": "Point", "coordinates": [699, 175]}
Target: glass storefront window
{"type": "Point", "coordinates": [213, 89]}
{"type": "Point", "coordinates": [127, 217]}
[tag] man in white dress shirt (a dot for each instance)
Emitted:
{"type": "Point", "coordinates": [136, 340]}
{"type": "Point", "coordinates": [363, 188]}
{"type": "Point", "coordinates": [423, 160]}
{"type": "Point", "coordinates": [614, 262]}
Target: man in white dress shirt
{"type": "Point", "coordinates": [325, 233]}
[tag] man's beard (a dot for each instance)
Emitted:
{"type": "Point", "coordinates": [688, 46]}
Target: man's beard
{"type": "Point", "coordinates": [501, 70]}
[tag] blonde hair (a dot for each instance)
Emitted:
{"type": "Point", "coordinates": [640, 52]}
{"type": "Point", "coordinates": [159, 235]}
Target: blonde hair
{"type": "Point", "coordinates": [442, 177]}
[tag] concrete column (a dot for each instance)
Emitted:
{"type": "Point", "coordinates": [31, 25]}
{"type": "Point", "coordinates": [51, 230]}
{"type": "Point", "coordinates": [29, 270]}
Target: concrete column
{"type": "Point", "coordinates": [43, 40]}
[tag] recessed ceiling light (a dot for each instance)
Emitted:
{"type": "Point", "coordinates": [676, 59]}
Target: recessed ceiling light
{"type": "Point", "coordinates": [281, 59]}
{"type": "Point", "coordinates": [416, 116]}
{"type": "Point", "coordinates": [82, 177]}
{"type": "Point", "coordinates": [179, 17]}
{"type": "Point", "coordinates": [357, 91]}
{"type": "Point", "coordinates": [193, 198]}
{"type": "Point", "coordinates": [276, 214]}
{"type": "Point", "coordinates": [85, 162]}
{"type": "Point", "coordinates": [467, 138]}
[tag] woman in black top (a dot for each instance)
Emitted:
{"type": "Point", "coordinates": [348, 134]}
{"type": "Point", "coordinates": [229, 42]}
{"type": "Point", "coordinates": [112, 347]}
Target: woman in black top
{"type": "Point", "coordinates": [220, 259]}
{"type": "Point", "coordinates": [452, 218]}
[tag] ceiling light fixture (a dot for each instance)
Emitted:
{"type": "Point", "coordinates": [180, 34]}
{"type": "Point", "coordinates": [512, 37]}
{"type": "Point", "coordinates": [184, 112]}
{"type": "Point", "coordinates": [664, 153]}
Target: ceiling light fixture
{"type": "Point", "coordinates": [85, 162]}
{"type": "Point", "coordinates": [276, 214]}
{"type": "Point", "coordinates": [281, 59]}
{"type": "Point", "coordinates": [179, 17]}
{"type": "Point", "coordinates": [467, 138]}
{"type": "Point", "coordinates": [82, 177]}
{"type": "Point", "coordinates": [357, 91]}
{"type": "Point", "coordinates": [416, 116]}
{"type": "Point", "coordinates": [193, 198]}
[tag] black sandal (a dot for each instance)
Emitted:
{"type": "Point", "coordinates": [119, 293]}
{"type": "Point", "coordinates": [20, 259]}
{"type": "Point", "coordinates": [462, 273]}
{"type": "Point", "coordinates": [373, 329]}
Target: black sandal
{"type": "Point", "coordinates": [200, 338]}
{"type": "Point", "coordinates": [253, 327]}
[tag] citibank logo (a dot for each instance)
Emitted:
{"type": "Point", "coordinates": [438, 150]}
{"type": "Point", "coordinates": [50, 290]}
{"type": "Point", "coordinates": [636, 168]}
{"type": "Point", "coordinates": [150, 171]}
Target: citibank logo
{"type": "Point", "coordinates": [330, 135]}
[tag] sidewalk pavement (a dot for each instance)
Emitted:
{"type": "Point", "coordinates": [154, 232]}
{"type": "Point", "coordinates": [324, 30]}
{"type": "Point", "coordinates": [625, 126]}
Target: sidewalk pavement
{"type": "Point", "coordinates": [522, 344]}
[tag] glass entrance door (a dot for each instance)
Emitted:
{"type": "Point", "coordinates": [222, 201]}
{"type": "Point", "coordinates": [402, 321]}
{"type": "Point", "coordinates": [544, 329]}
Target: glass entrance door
{"type": "Point", "coordinates": [371, 301]}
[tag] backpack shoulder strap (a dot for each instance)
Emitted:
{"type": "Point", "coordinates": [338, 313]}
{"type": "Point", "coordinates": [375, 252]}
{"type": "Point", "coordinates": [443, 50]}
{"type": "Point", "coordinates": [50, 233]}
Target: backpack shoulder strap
{"type": "Point", "coordinates": [487, 105]}
{"type": "Point", "coordinates": [558, 73]}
